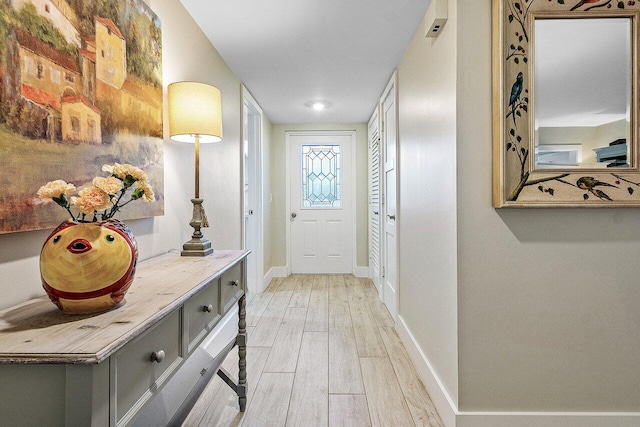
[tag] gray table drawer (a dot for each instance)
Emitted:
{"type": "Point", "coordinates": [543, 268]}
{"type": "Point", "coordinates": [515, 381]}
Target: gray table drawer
{"type": "Point", "coordinates": [232, 285]}
{"type": "Point", "coordinates": [137, 376]}
{"type": "Point", "coordinates": [203, 312]}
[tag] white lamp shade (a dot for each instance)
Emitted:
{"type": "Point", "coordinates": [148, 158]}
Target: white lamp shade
{"type": "Point", "coordinates": [195, 109]}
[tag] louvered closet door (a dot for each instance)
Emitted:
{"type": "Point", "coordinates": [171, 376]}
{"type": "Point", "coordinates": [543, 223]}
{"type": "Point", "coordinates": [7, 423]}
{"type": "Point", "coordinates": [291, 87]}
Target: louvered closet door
{"type": "Point", "coordinates": [374, 208]}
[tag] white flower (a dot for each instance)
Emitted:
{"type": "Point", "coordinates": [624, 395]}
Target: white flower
{"type": "Point", "coordinates": [110, 185]}
{"type": "Point", "coordinates": [55, 189]}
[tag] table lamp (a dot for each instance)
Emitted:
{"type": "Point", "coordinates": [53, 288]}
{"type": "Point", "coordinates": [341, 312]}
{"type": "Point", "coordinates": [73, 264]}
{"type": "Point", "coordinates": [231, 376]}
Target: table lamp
{"type": "Point", "coordinates": [195, 115]}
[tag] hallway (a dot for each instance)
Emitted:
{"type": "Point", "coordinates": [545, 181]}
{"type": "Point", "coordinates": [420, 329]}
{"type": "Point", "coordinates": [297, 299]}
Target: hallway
{"type": "Point", "coordinates": [322, 351]}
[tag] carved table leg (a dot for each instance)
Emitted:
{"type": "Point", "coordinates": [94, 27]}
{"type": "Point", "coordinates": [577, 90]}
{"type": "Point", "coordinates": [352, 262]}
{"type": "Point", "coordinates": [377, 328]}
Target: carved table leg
{"type": "Point", "coordinates": [242, 353]}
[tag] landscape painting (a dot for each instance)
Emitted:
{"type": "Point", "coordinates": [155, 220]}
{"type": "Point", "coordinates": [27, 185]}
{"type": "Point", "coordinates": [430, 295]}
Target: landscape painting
{"type": "Point", "coordinates": [80, 87]}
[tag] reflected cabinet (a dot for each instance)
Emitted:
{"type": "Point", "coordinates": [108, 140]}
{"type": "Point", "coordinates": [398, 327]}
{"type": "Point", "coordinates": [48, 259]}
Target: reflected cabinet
{"type": "Point", "coordinates": [565, 119]}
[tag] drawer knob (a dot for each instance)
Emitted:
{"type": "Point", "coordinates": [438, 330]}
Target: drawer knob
{"type": "Point", "coordinates": [208, 308]}
{"type": "Point", "coordinates": [157, 356]}
{"type": "Point", "coordinates": [235, 282]}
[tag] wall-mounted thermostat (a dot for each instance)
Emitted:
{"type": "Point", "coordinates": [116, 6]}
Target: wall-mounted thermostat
{"type": "Point", "coordinates": [435, 18]}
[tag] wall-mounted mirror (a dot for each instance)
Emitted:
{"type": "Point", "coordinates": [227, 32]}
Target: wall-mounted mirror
{"type": "Point", "coordinates": [565, 103]}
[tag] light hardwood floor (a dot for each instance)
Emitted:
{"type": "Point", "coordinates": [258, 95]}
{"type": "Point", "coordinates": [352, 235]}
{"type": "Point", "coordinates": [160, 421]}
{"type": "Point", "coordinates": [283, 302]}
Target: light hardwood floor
{"type": "Point", "coordinates": [322, 351]}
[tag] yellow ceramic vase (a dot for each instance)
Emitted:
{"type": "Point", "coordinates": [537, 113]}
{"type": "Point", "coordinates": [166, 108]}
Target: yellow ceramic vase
{"type": "Point", "coordinates": [88, 267]}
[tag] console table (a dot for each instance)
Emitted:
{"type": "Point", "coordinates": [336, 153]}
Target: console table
{"type": "Point", "coordinates": [103, 369]}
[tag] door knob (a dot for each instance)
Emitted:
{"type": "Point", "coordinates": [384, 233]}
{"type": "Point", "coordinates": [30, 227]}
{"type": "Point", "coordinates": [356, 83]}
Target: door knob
{"type": "Point", "coordinates": [250, 211]}
{"type": "Point", "coordinates": [293, 215]}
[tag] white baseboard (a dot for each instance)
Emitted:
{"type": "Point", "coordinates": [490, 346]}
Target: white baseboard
{"type": "Point", "coordinates": [548, 419]}
{"type": "Point", "coordinates": [451, 417]}
{"type": "Point", "coordinates": [273, 272]}
{"type": "Point", "coordinates": [361, 271]}
{"type": "Point", "coordinates": [439, 395]}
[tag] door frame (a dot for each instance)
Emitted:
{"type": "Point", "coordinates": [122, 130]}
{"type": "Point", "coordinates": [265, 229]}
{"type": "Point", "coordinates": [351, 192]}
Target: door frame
{"type": "Point", "coordinates": [247, 101]}
{"type": "Point", "coordinates": [350, 133]}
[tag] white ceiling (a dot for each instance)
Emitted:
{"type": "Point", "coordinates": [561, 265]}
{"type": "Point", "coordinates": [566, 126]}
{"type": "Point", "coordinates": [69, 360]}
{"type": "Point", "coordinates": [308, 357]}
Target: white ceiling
{"type": "Point", "coordinates": [290, 52]}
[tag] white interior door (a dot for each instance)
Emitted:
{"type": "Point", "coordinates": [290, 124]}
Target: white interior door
{"type": "Point", "coordinates": [375, 250]}
{"type": "Point", "coordinates": [320, 202]}
{"type": "Point", "coordinates": [252, 189]}
{"type": "Point", "coordinates": [389, 144]}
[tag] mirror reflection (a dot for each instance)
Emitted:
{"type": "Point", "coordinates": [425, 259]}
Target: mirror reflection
{"type": "Point", "coordinates": [582, 93]}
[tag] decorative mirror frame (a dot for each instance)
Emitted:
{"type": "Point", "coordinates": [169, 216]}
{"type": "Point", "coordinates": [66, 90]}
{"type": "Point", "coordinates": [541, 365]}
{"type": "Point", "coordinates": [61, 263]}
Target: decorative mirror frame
{"type": "Point", "coordinates": [516, 182]}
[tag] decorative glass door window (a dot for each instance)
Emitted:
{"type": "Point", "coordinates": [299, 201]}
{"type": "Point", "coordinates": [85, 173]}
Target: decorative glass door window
{"type": "Point", "coordinates": [321, 176]}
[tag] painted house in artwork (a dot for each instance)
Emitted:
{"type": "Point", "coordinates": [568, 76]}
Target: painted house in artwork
{"type": "Point", "coordinates": [59, 12]}
{"type": "Point", "coordinates": [80, 120]}
{"type": "Point", "coordinates": [138, 97]}
{"type": "Point", "coordinates": [47, 74]}
{"type": "Point", "coordinates": [62, 91]}
{"type": "Point", "coordinates": [111, 54]}
{"type": "Point", "coordinates": [129, 93]}
{"type": "Point", "coordinates": [88, 67]}
{"type": "Point", "coordinates": [52, 82]}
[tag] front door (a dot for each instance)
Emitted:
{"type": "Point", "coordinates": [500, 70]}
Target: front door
{"type": "Point", "coordinates": [320, 202]}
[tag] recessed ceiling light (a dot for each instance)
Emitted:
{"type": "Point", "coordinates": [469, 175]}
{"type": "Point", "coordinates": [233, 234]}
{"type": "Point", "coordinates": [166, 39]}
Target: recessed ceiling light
{"type": "Point", "coordinates": [318, 105]}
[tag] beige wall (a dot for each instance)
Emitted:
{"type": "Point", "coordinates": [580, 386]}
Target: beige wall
{"type": "Point", "coordinates": [278, 189]}
{"type": "Point", "coordinates": [547, 298]}
{"type": "Point", "coordinates": [427, 216]}
{"type": "Point", "coordinates": [187, 55]}
{"type": "Point", "coordinates": [515, 310]}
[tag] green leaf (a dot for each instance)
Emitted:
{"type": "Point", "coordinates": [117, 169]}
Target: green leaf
{"type": "Point", "coordinates": [516, 60]}
{"type": "Point", "coordinates": [524, 107]}
{"type": "Point", "coordinates": [560, 1]}
{"type": "Point", "coordinates": [551, 191]}
{"type": "Point", "coordinates": [540, 188]}
{"type": "Point", "coordinates": [630, 190]}
{"type": "Point", "coordinates": [510, 18]}
{"type": "Point", "coordinates": [620, 5]}
{"type": "Point", "coordinates": [520, 38]}
{"type": "Point", "coordinates": [519, 138]}
{"type": "Point", "coordinates": [525, 59]}
{"type": "Point", "coordinates": [509, 146]}
{"type": "Point", "coordinates": [61, 201]}
{"type": "Point", "coordinates": [128, 181]}
{"type": "Point", "coordinates": [518, 113]}
{"type": "Point", "coordinates": [138, 193]}
{"type": "Point", "coordinates": [585, 196]}
{"type": "Point", "coordinates": [512, 47]}
{"type": "Point", "coordinates": [512, 132]}
{"type": "Point", "coordinates": [523, 151]}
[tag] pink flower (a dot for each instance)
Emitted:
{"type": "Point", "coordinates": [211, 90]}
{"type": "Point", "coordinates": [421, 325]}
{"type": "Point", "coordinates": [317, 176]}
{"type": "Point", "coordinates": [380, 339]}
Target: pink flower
{"type": "Point", "coordinates": [91, 199]}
